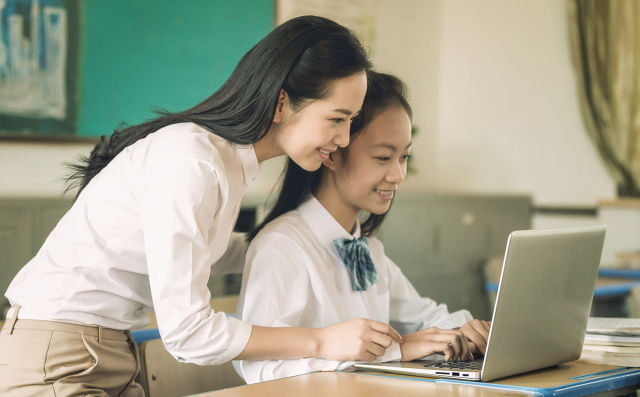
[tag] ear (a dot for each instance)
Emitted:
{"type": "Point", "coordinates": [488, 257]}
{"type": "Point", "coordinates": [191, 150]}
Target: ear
{"type": "Point", "coordinates": [282, 107]}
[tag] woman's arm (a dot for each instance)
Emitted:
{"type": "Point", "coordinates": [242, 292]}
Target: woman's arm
{"type": "Point", "coordinates": [179, 202]}
{"type": "Point", "coordinates": [358, 339]}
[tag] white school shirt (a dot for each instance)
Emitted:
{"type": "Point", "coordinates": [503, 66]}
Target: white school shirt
{"type": "Point", "coordinates": [142, 235]}
{"type": "Point", "coordinates": [293, 276]}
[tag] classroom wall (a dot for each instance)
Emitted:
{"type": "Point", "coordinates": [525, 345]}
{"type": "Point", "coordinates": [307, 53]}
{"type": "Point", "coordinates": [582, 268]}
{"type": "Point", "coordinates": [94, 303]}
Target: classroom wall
{"type": "Point", "coordinates": [495, 98]}
{"type": "Point", "coordinates": [31, 169]}
{"type": "Point", "coordinates": [493, 93]}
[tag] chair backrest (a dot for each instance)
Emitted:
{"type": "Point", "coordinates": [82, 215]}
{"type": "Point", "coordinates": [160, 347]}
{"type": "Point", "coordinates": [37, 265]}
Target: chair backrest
{"type": "Point", "coordinates": [166, 377]}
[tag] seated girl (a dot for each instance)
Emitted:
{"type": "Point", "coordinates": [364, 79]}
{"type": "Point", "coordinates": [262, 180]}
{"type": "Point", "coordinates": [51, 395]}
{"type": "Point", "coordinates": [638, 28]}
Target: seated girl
{"type": "Point", "coordinates": [312, 263]}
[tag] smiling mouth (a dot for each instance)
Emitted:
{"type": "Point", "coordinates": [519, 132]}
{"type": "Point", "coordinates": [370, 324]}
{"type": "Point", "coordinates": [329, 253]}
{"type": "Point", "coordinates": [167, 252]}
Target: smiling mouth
{"type": "Point", "coordinates": [324, 153]}
{"type": "Point", "coordinates": [385, 193]}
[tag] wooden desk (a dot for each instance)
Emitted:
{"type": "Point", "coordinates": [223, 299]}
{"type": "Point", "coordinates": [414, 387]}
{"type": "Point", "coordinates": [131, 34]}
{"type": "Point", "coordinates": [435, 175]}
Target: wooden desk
{"type": "Point", "coordinates": [570, 379]}
{"type": "Point", "coordinates": [324, 384]}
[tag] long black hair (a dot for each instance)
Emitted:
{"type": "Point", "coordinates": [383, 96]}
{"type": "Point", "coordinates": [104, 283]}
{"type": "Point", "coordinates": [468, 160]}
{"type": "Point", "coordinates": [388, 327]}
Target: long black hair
{"type": "Point", "coordinates": [383, 91]}
{"type": "Point", "coordinates": [302, 56]}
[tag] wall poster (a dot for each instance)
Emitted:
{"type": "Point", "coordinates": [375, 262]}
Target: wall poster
{"type": "Point", "coordinates": [38, 68]}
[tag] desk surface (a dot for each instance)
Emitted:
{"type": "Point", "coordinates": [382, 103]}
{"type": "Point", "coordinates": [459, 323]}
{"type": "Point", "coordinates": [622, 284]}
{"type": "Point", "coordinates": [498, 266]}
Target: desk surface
{"type": "Point", "coordinates": [570, 379]}
{"type": "Point", "coordinates": [322, 384]}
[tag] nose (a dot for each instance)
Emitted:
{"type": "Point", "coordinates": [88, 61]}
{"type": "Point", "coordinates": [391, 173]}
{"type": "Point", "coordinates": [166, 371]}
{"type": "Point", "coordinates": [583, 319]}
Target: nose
{"type": "Point", "coordinates": [342, 136]}
{"type": "Point", "coordinates": [397, 172]}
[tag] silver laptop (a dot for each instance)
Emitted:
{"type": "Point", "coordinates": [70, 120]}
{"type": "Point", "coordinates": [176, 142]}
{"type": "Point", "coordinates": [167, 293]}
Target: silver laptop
{"type": "Point", "coordinates": [541, 309]}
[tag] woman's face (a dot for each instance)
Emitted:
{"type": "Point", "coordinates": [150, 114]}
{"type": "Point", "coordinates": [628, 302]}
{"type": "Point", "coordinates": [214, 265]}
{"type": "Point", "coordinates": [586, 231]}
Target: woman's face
{"type": "Point", "coordinates": [321, 127]}
{"type": "Point", "coordinates": [368, 172]}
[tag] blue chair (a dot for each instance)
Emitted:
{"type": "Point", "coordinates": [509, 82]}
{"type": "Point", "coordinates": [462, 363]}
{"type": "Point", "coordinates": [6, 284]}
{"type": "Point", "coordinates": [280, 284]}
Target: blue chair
{"type": "Point", "coordinates": [143, 335]}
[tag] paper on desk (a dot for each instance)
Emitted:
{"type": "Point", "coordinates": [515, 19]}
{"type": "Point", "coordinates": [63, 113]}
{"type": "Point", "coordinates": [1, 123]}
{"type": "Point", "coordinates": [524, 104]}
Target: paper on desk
{"type": "Point", "coordinates": [614, 326]}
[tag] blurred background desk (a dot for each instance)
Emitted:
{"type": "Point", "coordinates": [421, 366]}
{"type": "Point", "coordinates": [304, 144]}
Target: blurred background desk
{"type": "Point", "coordinates": [616, 294]}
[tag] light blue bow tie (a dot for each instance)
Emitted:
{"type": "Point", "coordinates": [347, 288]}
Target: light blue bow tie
{"type": "Point", "coordinates": [356, 257]}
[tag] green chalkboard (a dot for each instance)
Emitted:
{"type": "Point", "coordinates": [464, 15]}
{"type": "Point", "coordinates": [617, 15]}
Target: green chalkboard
{"type": "Point", "coordinates": [92, 65]}
{"type": "Point", "coordinates": [139, 55]}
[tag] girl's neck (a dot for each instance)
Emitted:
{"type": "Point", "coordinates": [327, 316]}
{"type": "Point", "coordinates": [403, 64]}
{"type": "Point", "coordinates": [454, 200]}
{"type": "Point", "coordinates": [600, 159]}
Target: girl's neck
{"type": "Point", "coordinates": [331, 200]}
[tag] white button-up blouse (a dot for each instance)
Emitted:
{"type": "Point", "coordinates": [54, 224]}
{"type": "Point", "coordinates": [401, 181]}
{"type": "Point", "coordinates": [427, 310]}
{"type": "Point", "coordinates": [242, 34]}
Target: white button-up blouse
{"type": "Point", "coordinates": [293, 276]}
{"type": "Point", "coordinates": [143, 235]}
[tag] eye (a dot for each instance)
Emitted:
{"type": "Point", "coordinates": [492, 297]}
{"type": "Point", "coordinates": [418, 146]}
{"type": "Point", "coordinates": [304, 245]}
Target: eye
{"type": "Point", "coordinates": [406, 157]}
{"type": "Point", "coordinates": [338, 120]}
{"type": "Point", "coordinates": [383, 158]}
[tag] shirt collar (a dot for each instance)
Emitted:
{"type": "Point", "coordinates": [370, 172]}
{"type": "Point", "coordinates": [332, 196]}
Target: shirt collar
{"type": "Point", "coordinates": [250, 165]}
{"type": "Point", "coordinates": [322, 223]}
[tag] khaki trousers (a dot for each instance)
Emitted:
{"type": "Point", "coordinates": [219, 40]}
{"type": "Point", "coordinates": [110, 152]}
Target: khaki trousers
{"type": "Point", "coordinates": [47, 358]}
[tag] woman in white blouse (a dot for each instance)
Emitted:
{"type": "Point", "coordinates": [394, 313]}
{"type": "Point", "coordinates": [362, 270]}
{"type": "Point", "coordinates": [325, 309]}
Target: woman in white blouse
{"type": "Point", "coordinates": [156, 206]}
{"type": "Point", "coordinates": [297, 251]}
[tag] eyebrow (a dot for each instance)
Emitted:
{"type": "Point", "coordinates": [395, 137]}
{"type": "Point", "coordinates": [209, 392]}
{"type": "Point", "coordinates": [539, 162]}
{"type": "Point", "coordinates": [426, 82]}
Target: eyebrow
{"type": "Point", "coordinates": [390, 146]}
{"type": "Point", "coordinates": [346, 112]}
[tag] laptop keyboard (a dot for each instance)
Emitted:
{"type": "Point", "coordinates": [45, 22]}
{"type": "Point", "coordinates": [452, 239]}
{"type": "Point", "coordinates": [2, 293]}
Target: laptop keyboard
{"type": "Point", "coordinates": [461, 365]}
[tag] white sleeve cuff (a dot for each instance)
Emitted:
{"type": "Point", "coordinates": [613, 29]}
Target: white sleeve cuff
{"type": "Point", "coordinates": [228, 344]}
{"type": "Point", "coordinates": [393, 353]}
{"type": "Point", "coordinates": [239, 341]}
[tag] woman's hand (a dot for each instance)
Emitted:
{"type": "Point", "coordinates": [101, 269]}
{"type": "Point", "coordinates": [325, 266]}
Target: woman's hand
{"type": "Point", "coordinates": [359, 340]}
{"type": "Point", "coordinates": [451, 343]}
{"type": "Point", "coordinates": [477, 334]}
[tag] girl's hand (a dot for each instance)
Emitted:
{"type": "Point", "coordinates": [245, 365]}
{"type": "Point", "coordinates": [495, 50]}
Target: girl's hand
{"type": "Point", "coordinates": [477, 333]}
{"type": "Point", "coordinates": [357, 340]}
{"type": "Point", "coordinates": [451, 343]}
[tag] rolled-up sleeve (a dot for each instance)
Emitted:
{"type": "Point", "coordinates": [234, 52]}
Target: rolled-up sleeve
{"type": "Point", "coordinates": [179, 204]}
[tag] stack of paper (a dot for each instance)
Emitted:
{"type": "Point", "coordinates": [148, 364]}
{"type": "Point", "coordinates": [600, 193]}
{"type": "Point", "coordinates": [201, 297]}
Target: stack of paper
{"type": "Point", "coordinates": [612, 341]}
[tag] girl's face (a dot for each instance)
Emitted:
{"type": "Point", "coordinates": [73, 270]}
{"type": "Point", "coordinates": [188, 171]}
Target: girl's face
{"type": "Point", "coordinates": [321, 127]}
{"type": "Point", "coordinates": [367, 174]}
